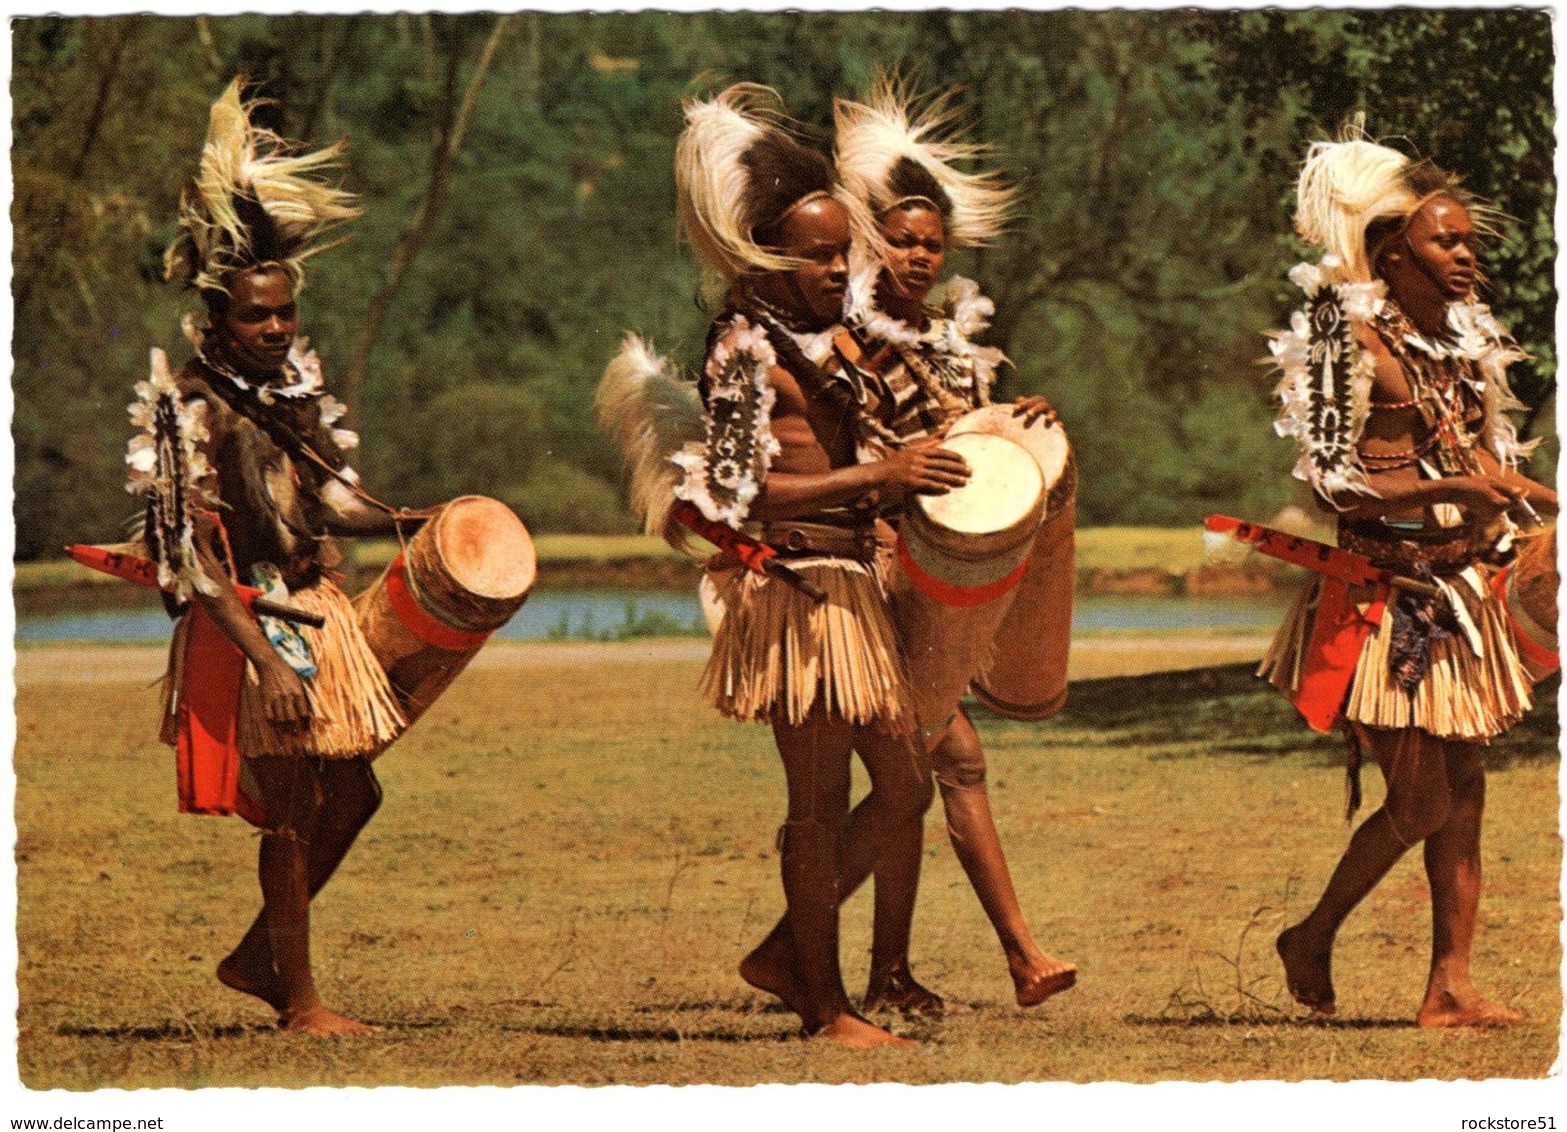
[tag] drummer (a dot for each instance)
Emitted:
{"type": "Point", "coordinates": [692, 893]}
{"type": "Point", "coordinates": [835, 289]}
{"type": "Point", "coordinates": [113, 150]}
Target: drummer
{"type": "Point", "coordinates": [911, 205]}
{"type": "Point", "coordinates": [784, 426]}
{"type": "Point", "coordinates": [1420, 471]}
{"type": "Point", "coordinates": [256, 433]}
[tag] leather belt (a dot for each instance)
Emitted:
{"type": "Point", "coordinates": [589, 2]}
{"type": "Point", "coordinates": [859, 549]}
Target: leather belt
{"type": "Point", "coordinates": [803, 538]}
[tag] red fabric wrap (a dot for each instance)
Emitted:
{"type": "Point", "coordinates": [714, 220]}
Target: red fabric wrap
{"type": "Point", "coordinates": [1338, 634]}
{"type": "Point", "coordinates": [206, 752]}
{"type": "Point", "coordinates": [418, 621]}
{"type": "Point", "coordinates": [961, 596]}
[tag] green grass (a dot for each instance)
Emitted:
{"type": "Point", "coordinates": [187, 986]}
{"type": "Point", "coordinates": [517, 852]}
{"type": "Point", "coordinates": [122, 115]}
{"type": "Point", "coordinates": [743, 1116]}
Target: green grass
{"type": "Point", "coordinates": [574, 853]}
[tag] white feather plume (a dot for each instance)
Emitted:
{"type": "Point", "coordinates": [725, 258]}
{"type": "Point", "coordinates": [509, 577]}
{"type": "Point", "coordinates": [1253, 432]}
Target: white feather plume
{"type": "Point", "coordinates": [1344, 185]}
{"type": "Point", "coordinates": [652, 412]}
{"type": "Point", "coordinates": [712, 181]}
{"type": "Point", "coordinates": [873, 135]}
{"type": "Point", "coordinates": [241, 158]}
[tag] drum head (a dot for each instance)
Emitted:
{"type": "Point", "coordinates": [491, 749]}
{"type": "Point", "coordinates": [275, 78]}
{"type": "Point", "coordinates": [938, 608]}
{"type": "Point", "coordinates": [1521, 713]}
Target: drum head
{"type": "Point", "coordinates": [1003, 490]}
{"type": "Point", "coordinates": [485, 548]}
{"type": "Point", "coordinates": [1046, 443]}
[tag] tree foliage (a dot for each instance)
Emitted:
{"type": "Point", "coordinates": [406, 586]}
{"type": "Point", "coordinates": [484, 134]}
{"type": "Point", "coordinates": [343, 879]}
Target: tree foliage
{"type": "Point", "coordinates": [1156, 151]}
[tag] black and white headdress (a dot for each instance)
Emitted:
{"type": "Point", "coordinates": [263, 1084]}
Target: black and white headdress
{"type": "Point", "coordinates": [739, 174]}
{"type": "Point", "coordinates": [255, 200]}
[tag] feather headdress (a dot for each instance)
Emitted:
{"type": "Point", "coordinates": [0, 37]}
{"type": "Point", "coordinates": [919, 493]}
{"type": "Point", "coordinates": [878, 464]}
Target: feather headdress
{"type": "Point", "coordinates": [254, 200]}
{"type": "Point", "coordinates": [1347, 186]}
{"type": "Point", "coordinates": [738, 175]}
{"type": "Point", "coordinates": [890, 150]}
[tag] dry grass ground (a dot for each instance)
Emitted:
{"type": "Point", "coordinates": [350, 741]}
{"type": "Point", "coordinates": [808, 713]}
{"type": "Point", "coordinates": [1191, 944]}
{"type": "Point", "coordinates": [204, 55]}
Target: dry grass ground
{"type": "Point", "coordinates": [574, 853]}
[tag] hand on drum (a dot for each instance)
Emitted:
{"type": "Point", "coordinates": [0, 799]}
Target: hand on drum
{"type": "Point", "coordinates": [925, 468]}
{"type": "Point", "coordinates": [1035, 408]}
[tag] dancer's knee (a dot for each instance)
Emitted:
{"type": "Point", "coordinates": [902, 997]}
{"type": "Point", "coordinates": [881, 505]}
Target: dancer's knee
{"type": "Point", "coordinates": [958, 765]}
{"type": "Point", "coordinates": [1418, 813]}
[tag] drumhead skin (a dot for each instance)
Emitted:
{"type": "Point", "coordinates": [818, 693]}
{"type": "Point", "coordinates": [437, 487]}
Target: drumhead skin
{"type": "Point", "coordinates": [485, 548]}
{"type": "Point", "coordinates": [1048, 444]}
{"type": "Point", "coordinates": [1003, 491]}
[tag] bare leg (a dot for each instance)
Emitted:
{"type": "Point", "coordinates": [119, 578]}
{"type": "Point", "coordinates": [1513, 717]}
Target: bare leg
{"type": "Point", "coordinates": [888, 820]}
{"type": "Point", "coordinates": [895, 847]}
{"type": "Point", "coordinates": [1452, 860]}
{"type": "Point", "coordinates": [959, 761]}
{"type": "Point", "coordinates": [350, 797]}
{"type": "Point", "coordinates": [292, 795]}
{"type": "Point", "coordinates": [1417, 804]}
{"type": "Point", "coordinates": [816, 767]}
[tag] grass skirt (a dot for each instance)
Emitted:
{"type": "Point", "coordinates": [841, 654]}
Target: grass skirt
{"type": "Point", "coordinates": [776, 651]}
{"type": "Point", "coordinates": [352, 709]}
{"type": "Point", "coordinates": [1463, 696]}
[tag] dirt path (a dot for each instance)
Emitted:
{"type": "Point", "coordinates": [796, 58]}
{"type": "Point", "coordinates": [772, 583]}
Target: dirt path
{"type": "Point", "coordinates": [1091, 657]}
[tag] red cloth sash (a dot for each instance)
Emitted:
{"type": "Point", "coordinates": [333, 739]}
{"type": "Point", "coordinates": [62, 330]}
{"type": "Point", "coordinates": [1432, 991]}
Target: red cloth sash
{"type": "Point", "coordinates": [1338, 634]}
{"type": "Point", "coordinates": [207, 749]}
{"type": "Point", "coordinates": [419, 622]}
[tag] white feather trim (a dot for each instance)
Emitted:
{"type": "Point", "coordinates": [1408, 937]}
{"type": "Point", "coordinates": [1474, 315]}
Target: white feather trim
{"type": "Point", "coordinates": [1325, 418]}
{"type": "Point", "coordinates": [725, 476]}
{"type": "Point", "coordinates": [167, 465]}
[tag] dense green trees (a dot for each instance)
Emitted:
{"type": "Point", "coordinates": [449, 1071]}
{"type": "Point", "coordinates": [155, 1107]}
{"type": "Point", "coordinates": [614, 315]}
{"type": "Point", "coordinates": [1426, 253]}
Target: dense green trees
{"type": "Point", "coordinates": [1156, 152]}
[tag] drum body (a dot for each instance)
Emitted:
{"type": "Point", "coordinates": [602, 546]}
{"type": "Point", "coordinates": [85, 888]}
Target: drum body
{"type": "Point", "coordinates": [969, 546]}
{"type": "Point", "coordinates": [1025, 677]}
{"type": "Point", "coordinates": [1530, 593]}
{"type": "Point", "coordinates": [461, 577]}
{"type": "Point", "coordinates": [962, 556]}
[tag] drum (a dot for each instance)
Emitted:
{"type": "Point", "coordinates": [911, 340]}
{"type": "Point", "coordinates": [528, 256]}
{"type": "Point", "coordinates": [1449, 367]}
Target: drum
{"type": "Point", "coordinates": [962, 556]}
{"type": "Point", "coordinates": [969, 546]}
{"type": "Point", "coordinates": [1025, 676]}
{"type": "Point", "coordinates": [1529, 587]}
{"type": "Point", "coordinates": [461, 577]}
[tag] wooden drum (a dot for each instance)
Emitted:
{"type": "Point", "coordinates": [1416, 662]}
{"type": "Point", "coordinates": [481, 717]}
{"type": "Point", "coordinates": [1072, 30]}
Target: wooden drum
{"type": "Point", "coordinates": [1025, 677]}
{"type": "Point", "coordinates": [1529, 587]}
{"type": "Point", "coordinates": [461, 577]}
{"type": "Point", "coordinates": [962, 555]}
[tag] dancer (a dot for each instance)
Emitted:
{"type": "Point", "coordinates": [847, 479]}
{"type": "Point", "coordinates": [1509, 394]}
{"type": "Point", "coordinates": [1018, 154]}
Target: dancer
{"type": "Point", "coordinates": [784, 425]}
{"type": "Point", "coordinates": [912, 204]}
{"type": "Point", "coordinates": [246, 481]}
{"type": "Point", "coordinates": [1395, 388]}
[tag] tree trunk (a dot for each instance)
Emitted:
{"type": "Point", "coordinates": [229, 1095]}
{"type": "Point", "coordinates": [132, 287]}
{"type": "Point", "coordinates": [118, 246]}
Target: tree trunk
{"type": "Point", "coordinates": [443, 157]}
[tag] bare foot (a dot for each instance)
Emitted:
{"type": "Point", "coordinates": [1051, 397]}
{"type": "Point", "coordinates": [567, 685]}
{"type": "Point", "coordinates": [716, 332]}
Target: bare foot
{"type": "Point", "coordinates": [1035, 982]}
{"type": "Point", "coordinates": [895, 988]}
{"type": "Point", "coordinates": [771, 968]}
{"type": "Point", "coordinates": [261, 982]}
{"type": "Point", "coordinates": [854, 1032]}
{"type": "Point", "coordinates": [321, 1022]}
{"type": "Point", "coordinates": [1308, 971]}
{"type": "Point", "coordinates": [1448, 1009]}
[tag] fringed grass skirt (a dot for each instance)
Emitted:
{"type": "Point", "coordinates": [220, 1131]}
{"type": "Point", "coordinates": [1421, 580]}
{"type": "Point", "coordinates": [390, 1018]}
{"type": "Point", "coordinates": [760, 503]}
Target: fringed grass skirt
{"type": "Point", "coordinates": [776, 651]}
{"type": "Point", "coordinates": [1463, 695]}
{"type": "Point", "coordinates": [352, 709]}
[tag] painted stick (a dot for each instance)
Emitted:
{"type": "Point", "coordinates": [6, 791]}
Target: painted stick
{"type": "Point", "coordinates": [144, 572]}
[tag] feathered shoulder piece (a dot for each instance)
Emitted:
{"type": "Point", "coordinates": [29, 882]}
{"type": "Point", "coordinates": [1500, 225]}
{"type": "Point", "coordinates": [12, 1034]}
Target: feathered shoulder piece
{"type": "Point", "coordinates": [652, 412]}
{"type": "Point", "coordinates": [254, 200]}
{"type": "Point", "coordinates": [724, 475]}
{"type": "Point", "coordinates": [1326, 388]}
{"type": "Point", "coordinates": [738, 174]}
{"type": "Point", "coordinates": [890, 149]}
{"type": "Point", "coordinates": [166, 464]}
{"type": "Point", "coordinates": [1492, 348]}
